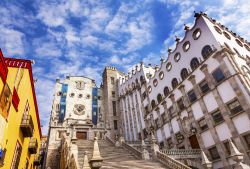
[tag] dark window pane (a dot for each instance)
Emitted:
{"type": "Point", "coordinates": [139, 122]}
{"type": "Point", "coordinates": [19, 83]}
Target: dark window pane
{"type": "Point", "coordinates": [180, 104]}
{"type": "Point", "coordinates": [114, 107]}
{"type": "Point", "coordinates": [214, 153]}
{"type": "Point", "coordinates": [235, 107]}
{"type": "Point", "coordinates": [115, 125]}
{"type": "Point", "coordinates": [194, 63]}
{"type": "Point", "coordinates": [217, 117]}
{"type": "Point", "coordinates": [218, 75]}
{"type": "Point", "coordinates": [192, 96]}
{"type": "Point", "coordinates": [206, 51]}
{"type": "Point", "coordinates": [204, 86]}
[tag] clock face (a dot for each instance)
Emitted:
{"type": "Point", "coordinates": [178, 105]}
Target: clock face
{"type": "Point", "coordinates": [79, 109]}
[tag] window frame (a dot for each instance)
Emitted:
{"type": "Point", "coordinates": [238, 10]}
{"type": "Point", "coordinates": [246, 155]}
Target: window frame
{"type": "Point", "coordinates": [239, 108]}
{"type": "Point", "coordinates": [215, 73]}
{"type": "Point", "coordinates": [192, 100]}
{"type": "Point", "coordinates": [202, 85]}
{"type": "Point", "coordinates": [217, 117]}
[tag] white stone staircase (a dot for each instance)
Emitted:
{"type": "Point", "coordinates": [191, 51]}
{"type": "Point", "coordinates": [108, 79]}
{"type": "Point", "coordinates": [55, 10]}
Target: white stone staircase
{"type": "Point", "coordinates": [84, 145]}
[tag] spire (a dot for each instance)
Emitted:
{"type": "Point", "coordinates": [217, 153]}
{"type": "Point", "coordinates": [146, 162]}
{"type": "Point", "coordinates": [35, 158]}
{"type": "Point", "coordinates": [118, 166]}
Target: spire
{"type": "Point", "coordinates": [235, 153]}
{"type": "Point", "coordinates": [86, 161]}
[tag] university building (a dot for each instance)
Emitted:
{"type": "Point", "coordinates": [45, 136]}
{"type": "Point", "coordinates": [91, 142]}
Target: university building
{"type": "Point", "coordinates": [195, 102]}
{"type": "Point", "coordinates": [20, 131]}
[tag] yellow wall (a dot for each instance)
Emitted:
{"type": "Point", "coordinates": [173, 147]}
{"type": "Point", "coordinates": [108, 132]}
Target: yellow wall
{"type": "Point", "coordinates": [13, 132]}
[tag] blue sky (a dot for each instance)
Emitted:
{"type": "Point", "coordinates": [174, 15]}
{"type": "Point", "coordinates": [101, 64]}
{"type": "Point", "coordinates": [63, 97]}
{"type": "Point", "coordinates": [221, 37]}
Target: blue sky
{"type": "Point", "coordinates": [81, 37]}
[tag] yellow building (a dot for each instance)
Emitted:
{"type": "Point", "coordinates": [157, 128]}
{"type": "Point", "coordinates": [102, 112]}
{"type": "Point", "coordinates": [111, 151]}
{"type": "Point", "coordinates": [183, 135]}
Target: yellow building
{"type": "Point", "coordinates": [20, 130]}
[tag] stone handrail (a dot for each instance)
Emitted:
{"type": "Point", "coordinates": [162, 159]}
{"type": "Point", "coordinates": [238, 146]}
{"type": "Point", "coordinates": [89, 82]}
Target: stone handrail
{"type": "Point", "coordinates": [134, 151]}
{"type": "Point", "coordinates": [110, 140]}
{"type": "Point", "coordinates": [170, 162]}
{"type": "Point", "coordinates": [182, 153]}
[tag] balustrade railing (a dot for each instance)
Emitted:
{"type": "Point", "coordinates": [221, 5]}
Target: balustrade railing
{"type": "Point", "coordinates": [182, 153]}
{"type": "Point", "coordinates": [170, 162]}
{"type": "Point", "coordinates": [133, 150]}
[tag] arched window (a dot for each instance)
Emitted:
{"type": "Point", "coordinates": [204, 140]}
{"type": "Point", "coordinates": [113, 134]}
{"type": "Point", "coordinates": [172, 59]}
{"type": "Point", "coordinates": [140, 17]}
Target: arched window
{"type": "Point", "coordinates": [206, 51]}
{"type": "Point", "coordinates": [184, 73]}
{"type": "Point", "coordinates": [153, 104]}
{"type": "Point", "coordinates": [194, 63]}
{"type": "Point", "coordinates": [142, 79]}
{"type": "Point", "coordinates": [159, 98]}
{"type": "Point", "coordinates": [166, 91]}
{"type": "Point", "coordinates": [174, 83]}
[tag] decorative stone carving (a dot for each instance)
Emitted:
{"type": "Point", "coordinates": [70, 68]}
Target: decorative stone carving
{"type": "Point", "coordinates": [79, 109]}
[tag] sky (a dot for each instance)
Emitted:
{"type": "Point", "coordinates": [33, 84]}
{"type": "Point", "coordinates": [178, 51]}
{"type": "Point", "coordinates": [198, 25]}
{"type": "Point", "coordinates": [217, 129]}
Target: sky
{"type": "Point", "coordinates": [81, 37]}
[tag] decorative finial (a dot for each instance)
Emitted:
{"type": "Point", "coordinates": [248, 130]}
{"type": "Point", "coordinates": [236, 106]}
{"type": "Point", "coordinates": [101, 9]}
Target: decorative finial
{"type": "Point", "coordinates": [177, 39]}
{"type": "Point", "coordinates": [186, 27]}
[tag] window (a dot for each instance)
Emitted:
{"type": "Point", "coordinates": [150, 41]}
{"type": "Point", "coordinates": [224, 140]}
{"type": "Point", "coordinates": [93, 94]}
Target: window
{"type": "Point", "coordinates": [194, 63]}
{"type": "Point", "coordinates": [239, 43]}
{"type": "Point", "coordinates": [206, 51]}
{"type": "Point", "coordinates": [186, 46]}
{"type": "Point", "coordinates": [218, 75]}
{"type": "Point", "coordinates": [157, 125]}
{"type": "Point", "coordinates": [196, 33]}
{"type": "Point", "coordinates": [184, 73]}
{"type": "Point", "coordinates": [153, 104]}
{"type": "Point", "coordinates": [192, 96]}
{"type": "Point", "coordinates": [204, 86]}
{"type": "Point", "coordinates": [227, 35]}
{"type": "Point", "coordinates": [218, 29]}
{"type": "Point", "coordinates": [144, 95]}
{"type": "Point", "coordinates": [164, 118]}
{"type": "Point", "coordinates": [72, 94]}
{"type": "Point", "coordinates": [180, 104]}
{"type": "Point", "coordinates": [114, 108]}
{"type": "Point", "coordinates": [247, 139]}
{"type": "Point", "coordinates": [16, 157]}
{"type": "Point", "coordinates": [113, 94]}
{"type": "Point", "coordinates": [217, 117]}
{"type": "Point", "coordinates": [149, 89]}
{"type": "Point", "coordinates": [159, 98]}
{"type": "Point", "coordinates": [171, 111]}
{"type": "Point", "coordinates": [169, 66]}
{"type": "Point", "coordinates": [161, 75]}
{"type": "Point", "coordinates": [80, 96]}
{"type": "Point", "coordinates": [177, 56]}
{"type": "Point", "coordinates": [203, 124]}
{"type": "Point", "coordinates": [227, 147]}
{"type": "Point", "coordinates": [166, 91]}
{"type": "Point", "coordinates": [99, 97]}
{"type": "Point", "coordinates": [174, 83]}
{"type": "Point", "coordinates": [115, 125]}
{"type": "Point", "coordinates": [112, 80]}
{"type": "Point", "coordinates": [235, 107]}
{"type": "Point", "coordinates": [247, 47]}
{"type": "Point", "coordinates": [155, 82]}
{"type": "Point", "coordinates": [214, 153]}
{"type": "Point", "coordinates": [170, 143]}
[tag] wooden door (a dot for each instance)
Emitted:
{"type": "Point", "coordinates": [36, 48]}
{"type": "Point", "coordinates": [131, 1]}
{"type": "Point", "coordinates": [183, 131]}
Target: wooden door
{"type": "Point", "coordinates": [81, 135]}
{"type": "Point", "coordinates": [194, 142]}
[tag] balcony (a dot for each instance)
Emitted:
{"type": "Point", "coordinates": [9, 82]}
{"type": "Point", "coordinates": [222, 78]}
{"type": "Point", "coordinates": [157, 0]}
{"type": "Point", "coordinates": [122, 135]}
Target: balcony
{"type": "Point", "coordinates": [33, 146]}
{"type": "Point", "coordinates": [27, 126]}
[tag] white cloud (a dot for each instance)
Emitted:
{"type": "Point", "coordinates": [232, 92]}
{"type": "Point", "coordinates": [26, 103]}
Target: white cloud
{"type": "Point", "coordinates": [12, 41]}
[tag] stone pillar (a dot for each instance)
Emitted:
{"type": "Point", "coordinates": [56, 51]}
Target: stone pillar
{"type": "Point", "coordinates": [96, 160]}
{"type": "Point", "coordinates": [205, 162]}
{"type": "Point", "coordinates": [86, 161]}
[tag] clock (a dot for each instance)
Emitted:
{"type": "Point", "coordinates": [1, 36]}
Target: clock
{"type": "Point", "coordinates": [79, 109]}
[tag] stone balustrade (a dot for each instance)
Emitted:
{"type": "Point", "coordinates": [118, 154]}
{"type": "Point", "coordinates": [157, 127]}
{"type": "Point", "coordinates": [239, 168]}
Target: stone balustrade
{"type": "Point", "coordinates": [170, 162]}
{"type": "Point", "coordinates": [183, 153]}
{"type": "Point", "coordinates": [133, 150]}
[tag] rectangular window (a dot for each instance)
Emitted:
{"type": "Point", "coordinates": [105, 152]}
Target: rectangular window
{"type": "Point", "coordinates": [181, 104]}
{"type": "Point", "coordinates": [113, 94]}
{"type": "Point", "coordinates": [170, 143]}
{"type": "Point", "coordinates": [16, 156]}
{"type": "Point", "coordinates": [235, 107]}
{"type": "Point", "coordinates": [114, 107]}
{"type": "Point", "coordinates": [157, 123]}
{"type": "Point", "coordinates": [112, 80]}
{"type": "Point", "coordinates": [164, 118]}
{"type": "Point", "coordinates": [203, 124]}
{"type": "Point", "coordinates": [115, 125]}
{"type": "Point", "coordinates": [217, 117]}
{"type": "Point", "coordinates": [218, 75]}
{"type": "Point", "coordinates": [247, 139]}
{"type": "Point", "coordinates": [192, 96]}
{"type": "Point", "coordinates": [144, 95]}
{"type": "Point", "coordinates": [214, 153]}
{"type": "Point", "coordinates": [204, 86]}
{"type": "Point", "coordinates": [171, 111]}
{"type": "Point", "coordinates": [226, 144]}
